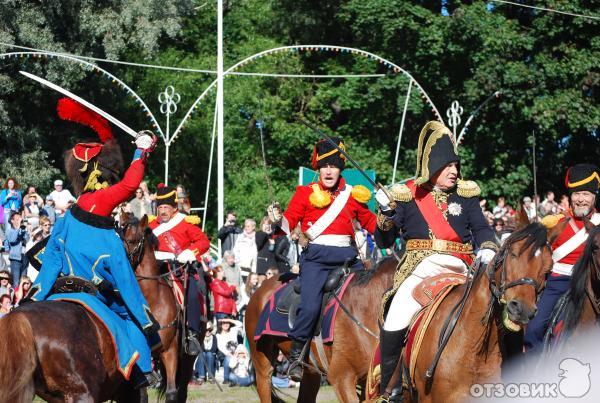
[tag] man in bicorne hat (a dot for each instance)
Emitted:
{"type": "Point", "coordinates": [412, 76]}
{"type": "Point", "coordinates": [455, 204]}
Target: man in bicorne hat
{"type": "Point", "coordinates": [84, 244]}
{"type": "Point", "coordinates": [439, 217]}
{"type": "Point", "coordinates": [582, 182]}
{"type": "Point", "coordinates": [178, 235]}
{"type": "Point", "coordinates": [325, 210]}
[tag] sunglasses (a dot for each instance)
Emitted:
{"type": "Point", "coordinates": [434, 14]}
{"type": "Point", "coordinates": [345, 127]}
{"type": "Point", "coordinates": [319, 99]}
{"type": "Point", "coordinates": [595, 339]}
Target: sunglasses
{"type": "Point", "coordinates": [4, 278]}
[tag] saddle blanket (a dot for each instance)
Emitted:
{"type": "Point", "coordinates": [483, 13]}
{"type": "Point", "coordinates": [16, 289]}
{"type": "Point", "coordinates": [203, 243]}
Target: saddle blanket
{"type": "Point", "coordinates": [275, 323]}
{"type": "Point", "coordinates": [122, 331]}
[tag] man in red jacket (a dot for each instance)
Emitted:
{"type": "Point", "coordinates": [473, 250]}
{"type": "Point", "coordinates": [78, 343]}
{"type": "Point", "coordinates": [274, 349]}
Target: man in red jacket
{"type": "Point", "coordinates": [186, 243]}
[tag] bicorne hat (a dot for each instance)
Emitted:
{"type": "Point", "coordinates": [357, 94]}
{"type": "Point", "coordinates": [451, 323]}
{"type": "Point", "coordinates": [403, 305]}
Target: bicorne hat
{"type": "Point", "coordinates": [435, 150]}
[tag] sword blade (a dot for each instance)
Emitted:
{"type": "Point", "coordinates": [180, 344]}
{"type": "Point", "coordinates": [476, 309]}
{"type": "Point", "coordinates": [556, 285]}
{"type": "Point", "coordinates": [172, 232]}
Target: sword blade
{"type": "Point", "coordinates": [344, 153]}
{"type": "Point", "coordinates": [82, 101]}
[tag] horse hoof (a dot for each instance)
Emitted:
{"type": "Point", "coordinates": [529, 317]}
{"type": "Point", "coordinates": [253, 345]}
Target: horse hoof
{"type": "Point", "coordinates": [171, 396]}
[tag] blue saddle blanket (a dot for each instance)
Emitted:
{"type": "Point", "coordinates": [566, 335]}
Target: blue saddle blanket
{"type": "Point", "coordinates": [123, 332]}
{"type": "Point", "coordinates": [275, 323]}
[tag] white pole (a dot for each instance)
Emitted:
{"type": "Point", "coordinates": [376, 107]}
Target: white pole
{"type": "Point", "coordinates": [167, 151]}
{"type": "Point", "coordinates": [220, 111]}
{"type": "Point", "coordinates": [401, 129]}
{"type": "Point", "coordinates": [210, 162]}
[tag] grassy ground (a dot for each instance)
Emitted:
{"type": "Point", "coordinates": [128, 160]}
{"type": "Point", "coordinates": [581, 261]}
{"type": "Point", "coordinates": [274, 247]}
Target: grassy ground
{"type": "Point", "coordinates": [210, 393]}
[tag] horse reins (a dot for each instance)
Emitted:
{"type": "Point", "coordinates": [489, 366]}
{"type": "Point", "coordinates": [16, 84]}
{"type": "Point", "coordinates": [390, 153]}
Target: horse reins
{"type": "Point", "coordinates": [498, 292]}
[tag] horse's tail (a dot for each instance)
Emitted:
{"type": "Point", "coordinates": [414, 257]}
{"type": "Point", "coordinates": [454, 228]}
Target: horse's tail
{"type": "Point", "coordinates": [19, 359]}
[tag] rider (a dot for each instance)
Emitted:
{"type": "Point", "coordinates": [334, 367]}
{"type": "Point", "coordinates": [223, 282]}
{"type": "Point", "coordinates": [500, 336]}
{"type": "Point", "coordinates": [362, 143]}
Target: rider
{"type": "Point", "coordinates": [582, 182]}
{"type": "Point", "coordinates": [188, 243]}
{"type": "Point", "coordinates": [325, 210]}
{"type": "Point", "coordinates": [84, 243]}
{"type": "Point", "coordinates": [439, 217]}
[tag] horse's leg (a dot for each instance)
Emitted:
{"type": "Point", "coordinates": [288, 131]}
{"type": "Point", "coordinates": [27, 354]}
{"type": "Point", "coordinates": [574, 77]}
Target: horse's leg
{"type": "Point", "coordinates": [170, 360]}
{"type": "Point", "coordinates": [309, 387]}
{"type": "Point", "coordinates": [184, 375]}
{"type": "Point", "coordinates": [262, 357]}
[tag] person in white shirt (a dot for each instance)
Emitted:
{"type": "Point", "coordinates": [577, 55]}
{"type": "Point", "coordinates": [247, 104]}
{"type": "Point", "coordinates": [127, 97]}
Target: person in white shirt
{"type": "Point", "coordinates": [228, 338]}
{"type": "Point", "coordinates": [245, 248]}
{"type": "Point", "coordinates": [240, 368]}
{"type": "Point", "coordinates": [62, 198]}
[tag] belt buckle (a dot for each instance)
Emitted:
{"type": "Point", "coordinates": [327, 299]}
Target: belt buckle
{"type": "Point", "coordinates": [438, 245]}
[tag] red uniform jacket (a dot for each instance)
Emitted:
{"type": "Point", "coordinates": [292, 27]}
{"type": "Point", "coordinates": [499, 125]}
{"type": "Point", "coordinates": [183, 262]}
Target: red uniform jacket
{"type": "Point", "coordinates": [224, 296]}
{"type": "Point", "coordinates": [102, 202]}
{"type": "Point", "coordinates": [301, 210]}
{"type": "Point", "coordinates": [565, 235]}
{"type": "Point", "coordinates": [178, 235]}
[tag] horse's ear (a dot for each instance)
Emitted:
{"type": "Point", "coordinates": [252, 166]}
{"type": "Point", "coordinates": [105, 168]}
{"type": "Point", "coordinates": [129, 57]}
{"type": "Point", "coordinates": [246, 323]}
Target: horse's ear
{"type": "Point", "coordinates": [521, 218]}
{"type": "Point", "coordinates": [144, 221]}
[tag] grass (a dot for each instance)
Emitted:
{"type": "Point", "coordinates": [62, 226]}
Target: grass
{"type": "Point", "coordinates": [210, 393]}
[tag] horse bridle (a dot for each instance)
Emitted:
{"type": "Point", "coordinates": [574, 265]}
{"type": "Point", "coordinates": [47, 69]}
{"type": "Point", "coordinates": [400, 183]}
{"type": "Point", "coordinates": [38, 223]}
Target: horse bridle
{"type": "Point", "coordinates": [136, 254]}
{"type": "Point", "coordinates": [499, 291]}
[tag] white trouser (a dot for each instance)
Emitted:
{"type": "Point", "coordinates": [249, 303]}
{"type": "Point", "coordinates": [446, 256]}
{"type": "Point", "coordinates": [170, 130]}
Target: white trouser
{"type": "Point", "coordinates": [404, 306]}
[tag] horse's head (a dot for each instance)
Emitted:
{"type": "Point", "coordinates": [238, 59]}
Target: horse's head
{"type": "Point", "coordinates": [136, 235]}
{"type": "Point", "coordinates": [518, 274]}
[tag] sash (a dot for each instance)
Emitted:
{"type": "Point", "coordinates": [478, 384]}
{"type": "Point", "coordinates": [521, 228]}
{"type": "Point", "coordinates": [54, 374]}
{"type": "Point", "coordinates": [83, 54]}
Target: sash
{"type": "Point", "coordinates": [167, 226]}
{"type": "Point", "coordinates": [436, 221]}
{"type": "Point", "coordinates": [331, 214]}
{"type": "Point", "coordinates": [575, 241]}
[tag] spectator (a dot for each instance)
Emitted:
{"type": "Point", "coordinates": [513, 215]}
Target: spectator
{"type": "Point", "coordinates": [5, 305]}
{"type": "Point", "coordinates": [34, 209]}
{"type": "Point", "coordinates": [46, 227]}
{"type": "Point", "coordinates": [240, 368]}
{"type": "Point", "coordinates": [22, 289]}
{"type": "Point", "coordinates": [140, 205]}
{"type": "Point", "coordinates": [233, 274]}
{"type": "Point", "coordinates": [287, 251]}
{"type": "Point", "coordinates": [265, 247]}
{"type": "Point", "coordinates": [5, 287]}
{"type": "Point", "coordinates": [228, 338]}
{"type": "Point", "coordinates": [500, 210]}
{"type": "Point", "coordinates": [11, 198]}
{"type": "Point", "coordinates": [50, 209]}
{"type": "Point", "coordinates": [229, 232]}
{"type": "Point", "coordinates": [529, 209]}
{"type": "Point", "coordinates": [280, 378]}
{"type": "Point", "coordinates": [499, 231]}
{"type": "Point", "coordinates": [271, 272]}
{"type": "Point", "coordinates": [150, 197]}
{"type": "Point", "coordinates": [563, 206]}
{"type": "Point", "coordinates": [245, 248]}
{"type": "Point", "coordinates": [62, 198]}
{"type": "Point", "coordinates": [183, 202]}
{"type": "Point", "coordinates": [549, 205]}
{"type": "Point", "coordinates": [209, 353]}
{"type": "Point", "coordinates": [17, 237]}
{"type": "Point", "coordinates": [224, 295]}
{"type": "Point", "coordinates": [248, 291]}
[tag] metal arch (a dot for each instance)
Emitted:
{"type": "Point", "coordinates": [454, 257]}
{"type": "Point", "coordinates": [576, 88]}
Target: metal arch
{"type": "Point", "coordinates": [92, 67]}
{"type": "Point", "coordinates": [329, 48]}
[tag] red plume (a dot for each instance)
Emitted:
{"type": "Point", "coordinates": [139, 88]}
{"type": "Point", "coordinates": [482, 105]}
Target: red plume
{"type": "Point", "coordinates": [69, 109]}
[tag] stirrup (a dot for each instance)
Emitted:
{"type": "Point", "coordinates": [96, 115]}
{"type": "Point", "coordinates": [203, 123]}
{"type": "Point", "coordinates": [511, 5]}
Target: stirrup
{"type": "Point", "coordinates": [192, 345]}
{"type": "Point", "coordinates": [295, 371]}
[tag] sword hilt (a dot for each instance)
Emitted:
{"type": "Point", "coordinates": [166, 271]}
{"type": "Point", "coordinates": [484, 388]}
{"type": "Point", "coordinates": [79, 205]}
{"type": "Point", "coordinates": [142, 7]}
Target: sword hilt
{"type": "Point", "coordinates": [388, 194]}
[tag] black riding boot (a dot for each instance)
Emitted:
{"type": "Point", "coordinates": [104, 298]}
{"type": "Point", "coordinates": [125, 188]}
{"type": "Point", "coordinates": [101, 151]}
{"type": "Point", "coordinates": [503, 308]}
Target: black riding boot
{"type": "Point", "coordinates": [391, 344]}
{"type": "Point", "coordinates": [192, 343]}
{"type": "Point", "coordinates": [295, 369]}
{"type": "Point", "coordinates": [144, 380]}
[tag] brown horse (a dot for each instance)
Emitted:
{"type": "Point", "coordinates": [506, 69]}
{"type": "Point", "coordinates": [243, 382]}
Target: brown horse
{"type": "Point", "coordinates": [348, 355]}
{"type": "Point", "coordinates": [502, 298]}
{"type": "Point", "coordinates": [176, 365]}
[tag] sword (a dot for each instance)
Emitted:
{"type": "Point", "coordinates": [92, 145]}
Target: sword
{"type": "Point", "coordinates": [82, 101]}
{"type": "Point", "coordinates": [349, 158]}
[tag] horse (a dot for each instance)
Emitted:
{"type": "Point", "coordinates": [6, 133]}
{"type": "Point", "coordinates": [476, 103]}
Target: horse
{"type": "Point", "coordinates": [498, 300]}
{"type": "Point", "coordinates": [176, 365]}
{"type": "Point", "coordinates": [349, 354]}
{"type": "Point", "coordinates": [579, 308]}
{"type": "Point", "coordinates": [46, 346]}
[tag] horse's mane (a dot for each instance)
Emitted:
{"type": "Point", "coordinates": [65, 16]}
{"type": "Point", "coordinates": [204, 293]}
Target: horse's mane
{"type": "Point", "coordinates": [363, 277]}
{"type": "Point", "coordinates": [577, 289]}
{"type": "Point", "coordinates": [536, 237]}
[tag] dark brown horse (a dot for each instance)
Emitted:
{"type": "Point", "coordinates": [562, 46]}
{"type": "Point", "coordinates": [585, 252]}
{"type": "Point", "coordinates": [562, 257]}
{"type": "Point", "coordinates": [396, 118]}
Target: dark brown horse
{"type": "Point", "coordinates": [176, 365]}
{"type": "Point", "coordinates": [502, 298]}
{"type": "Point", "coordinates": [61, 352]}
{"type": "Point", "coordinates": [348, 355]}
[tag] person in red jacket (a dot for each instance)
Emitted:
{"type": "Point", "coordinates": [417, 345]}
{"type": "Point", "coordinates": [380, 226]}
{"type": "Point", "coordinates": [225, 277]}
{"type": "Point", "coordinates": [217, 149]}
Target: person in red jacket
{"type": "Point", "coordinates": [187, 243]}
{"type": "Point", "coordinates": [224, 295]}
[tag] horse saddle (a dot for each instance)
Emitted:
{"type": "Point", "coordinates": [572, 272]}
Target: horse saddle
{"type": "Point", "coordinates": [69, 284]}
{"type": "Point", "coordinates": [426, 291]}
{"type": "Point", "coordinates": [290, 296]}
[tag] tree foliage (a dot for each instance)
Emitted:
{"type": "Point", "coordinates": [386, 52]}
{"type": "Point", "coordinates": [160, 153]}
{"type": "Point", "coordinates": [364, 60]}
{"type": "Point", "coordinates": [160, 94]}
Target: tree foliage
{"type": "Point", "coordinates": [546, 65]}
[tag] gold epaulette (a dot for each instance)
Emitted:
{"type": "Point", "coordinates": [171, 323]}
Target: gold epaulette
{"type": "Point", "coordinates": [467, 188]}
{"type": "Point", "coordinates": [551, 220]}
{"type": "Point", "coordinates": [151, 218]}
{"type": "Point", "coordinates": [193, 219]}
{"type": "Point", "coordinates": [401, 193]}
{"type": "Point", "coordinates": [361, 194]}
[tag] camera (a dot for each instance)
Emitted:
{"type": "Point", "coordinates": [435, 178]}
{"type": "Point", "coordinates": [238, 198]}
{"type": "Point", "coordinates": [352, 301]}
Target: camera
{"type": "Point", "coordinates": [22, 227]}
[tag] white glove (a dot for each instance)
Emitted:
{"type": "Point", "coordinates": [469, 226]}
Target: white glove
{"type": "Point", "coordinates": [144, 141]}
{"type": "Point", "coordinates": [486, 255]}
{"type": "Point", "coordinates": [274, 213]}
{"type": "Point", "coordinates": [383, 200]}
{"type": "Point", "coordinates": [187, 256]}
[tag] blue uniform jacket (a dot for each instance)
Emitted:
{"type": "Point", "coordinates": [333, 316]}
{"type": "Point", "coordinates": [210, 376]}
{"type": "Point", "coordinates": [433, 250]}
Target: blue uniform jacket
{"type": "Point", "coordinates": [95, 253]}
